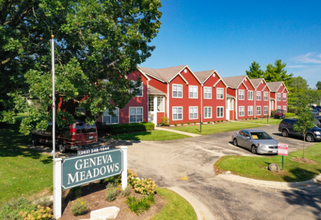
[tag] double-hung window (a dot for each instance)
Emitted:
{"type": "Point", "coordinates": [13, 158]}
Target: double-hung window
{"type": "Point", "coordinates": [279, 96]}
{"type": "Point", "coordinates": [207, 92]}
{"type": "Point", "coordinates": [177, 91]}
{"type": "Point", "coordinates": [258, 95]}
{"type": "Point", "coordinates": [207, 112]}
{"type": "Point", "coordinates": [258, 110]}
{"type": "Point", "coordinates": [241, 111]}
{"type": "Point", "coordinates": [250, 95]}
{"type": "Point", "coordinates": [250, 110]}
{"type": "Point", "coordinates": [266, 110]}
{"type": "Point", "coordinates": [220, 112]}
{"type": "Point", "coordinates": [241, 94]}
{"type": "Point", "coordinates": [266, 96]}
{"type": "Point", "coordinates": [139, 87]}
{"type": "Point", "coordinates": [135, 114]}
{"type": "Point", "coordinates": [219, 93]}
{"type": "Point", "coordinates": [284, 97]}
{"type": "Point", "coordinates": [284, 108]}
{"type": "Point", "coordinates": [177, 113]}
{"type": "Point", "coordinates": [193, 112]}
{"type": "Point", "coordinates": [193, 92]}
{"type": "Point", "coordinates": [110, 119]}
{"type": "Point", "coordinates": [160, 104]}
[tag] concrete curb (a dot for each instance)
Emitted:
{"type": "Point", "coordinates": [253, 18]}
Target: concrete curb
{"type": "Point", "coordinates": [202, 212]}
{"type": "Point", "coordinates": [270, 184]}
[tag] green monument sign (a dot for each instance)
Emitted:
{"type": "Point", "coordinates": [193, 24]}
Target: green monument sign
{"type": "Point", "coordinates": [88, 168]}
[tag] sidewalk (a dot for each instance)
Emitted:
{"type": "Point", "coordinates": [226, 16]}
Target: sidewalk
{"type": "Point", "coordinates": [271, 184]}
{"type": "Point", "coordinates": [179, 132]}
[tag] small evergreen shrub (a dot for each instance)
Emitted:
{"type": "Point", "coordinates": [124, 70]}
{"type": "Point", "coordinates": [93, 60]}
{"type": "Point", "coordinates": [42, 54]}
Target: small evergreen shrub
{"type": "Point", "coordinates": [188, 123]}
{"type": "Point", "coordinates": [126, 191]}
{"type": "Point", "coordinates": [79, 207]}
{"type": "Point", "coordinates": [111, 192]}
{"type": "Point", "coordinates": [182, 123]}
{"type": "Point", "coordinates": [208, 122]}
{"type": "Point", "coordinates": [221, 120]}
{"type": "Point", "coordinates": [175, 124]}
{"type": "Point", "coordinates": [194, 122]}
{"type": "Point", "coordinates": [213, 122]}
{"type": "Point", "coordinates": [164, 121]}
{"type": "Point", "coordinates": [139, 206]}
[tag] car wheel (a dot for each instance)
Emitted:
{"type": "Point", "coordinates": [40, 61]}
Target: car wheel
{"type": "Point", "coordinates": [310, 138]}
{"type": "Point", "coordinates": [235, 141]}
{"type": "Point", "coordinates": [254, 149]}
{"type": "Point", "coordinates": [62, 148]}
{"type": "Point", "coordinates": [34, 140]}
{"type": "Point", "coordinates": [285, 133]}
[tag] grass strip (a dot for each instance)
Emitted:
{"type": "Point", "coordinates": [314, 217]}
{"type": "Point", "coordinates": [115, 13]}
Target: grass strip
{"type": "Point", "coordinates": [256, 167]}
{"type": "Point", "coordinates": [176, 207]}
{"type": "Point", "coordinates": [155, 135]}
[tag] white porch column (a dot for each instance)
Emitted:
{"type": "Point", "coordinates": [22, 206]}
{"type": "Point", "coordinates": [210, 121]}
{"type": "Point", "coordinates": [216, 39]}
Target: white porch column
{"type": "Point", "coordinates": [57, 188]}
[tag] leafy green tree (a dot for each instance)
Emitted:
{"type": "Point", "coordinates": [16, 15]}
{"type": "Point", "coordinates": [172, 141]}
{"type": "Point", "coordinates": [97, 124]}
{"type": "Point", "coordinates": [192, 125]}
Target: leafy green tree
{"type": "Point", "coordinates": [295, 86]}
{"type": "Point", "coordinates": [277, 72]}
{"type": "Point", "coordinates": [94, 40]}
{"type": "Point", "coordinates": [318, 85]}
{"type": "Point", "coordinates": [305, 122]}
{"type": "Point", "coordinates": [255, 71]}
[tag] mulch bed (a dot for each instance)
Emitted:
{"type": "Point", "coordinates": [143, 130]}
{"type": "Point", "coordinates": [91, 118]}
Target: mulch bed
{"type": "Point", "coordinates": [95, 195]}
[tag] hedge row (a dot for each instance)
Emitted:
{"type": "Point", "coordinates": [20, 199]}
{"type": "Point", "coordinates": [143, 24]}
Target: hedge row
{"type": "Point", "coordinates": [125, 128]}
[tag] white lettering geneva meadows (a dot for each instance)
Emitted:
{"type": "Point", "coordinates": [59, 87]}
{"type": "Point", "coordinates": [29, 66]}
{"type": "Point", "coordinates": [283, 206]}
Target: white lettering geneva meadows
{"type": "Point", "coordinates": [105, 166]}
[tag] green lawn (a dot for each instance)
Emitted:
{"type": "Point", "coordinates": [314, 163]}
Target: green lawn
{"type": "Point", "coordinates": [255, 167]}
{"type": "Point", "coordinates": [155, 135]}
{"type": "Point", "coordinates": [22, 170]}
{"type": "Point", "coordinates": [176, 207]}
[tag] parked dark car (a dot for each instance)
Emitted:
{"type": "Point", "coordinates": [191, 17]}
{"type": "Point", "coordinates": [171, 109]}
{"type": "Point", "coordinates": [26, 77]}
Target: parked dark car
{"type": "Point", "coordinates": [74, 136]}
{"type": "Point", "coordinates": [286, 127]}
{"type": "Point", "coordinates": [314, 112]}
{"type": "Point", "coordinates": [279, 113]}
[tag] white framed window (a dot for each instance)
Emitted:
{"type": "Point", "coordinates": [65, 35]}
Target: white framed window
{"type": "Point", "coordinates": [284, 108]}
{"type": "Point", "coordinates": [279, 96]}
{"type": "Point", "coordinates": [193, 112]}
{"type": "Point", "coordinates": [266, 96]}
{"type": "Point", "coordinates": [207, 112]}
{"type": "Point", "coordinates": [258, 95]}
{"type": "Point", "coordinates": [151, 103]}
{"type": "Point", "coordinates": [258, 110]}
{"type": "Point", "coordinates": [279, 107]}
{"type": "Point", "coordinates": [220, 112]}
{"type": "Point", "coordinates": [135, 114]}
{"type": "Point", "coordinates": [241, 94]}
{"type": "Point", "coordinates": [284, 96]}
{"type": "Point", "coordinates": [241, 111]}
{"type": "Point", "coordinates": [109, 119]}
{"type": "Point", "coordinates": [207, 92]}
{"type": "Point", "coordinates": [140, 88]}
{"type": "Point", "coordinates": [193, 92]}
{"type": "Point", "coordinates": [231, 104]}
{"type": "Point", "coordinates": [250, 110]}
{"type": "Point", "coordinates": [177, 91]}
{"type": "Point", "coordinates": [219, 93]}
{"type": "Point", "coordinates": [160, 104]}
{"type": "Point", "coordinates": [249, 95]}
{"type": "Point", "coordinates": [177, 113]}
{"type": "Point", "coordinates": [266, 110]}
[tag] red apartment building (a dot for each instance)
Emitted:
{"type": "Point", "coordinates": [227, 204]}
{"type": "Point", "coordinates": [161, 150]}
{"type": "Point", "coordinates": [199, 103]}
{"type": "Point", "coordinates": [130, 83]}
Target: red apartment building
{"type": "Point", "coordinates": [262, 97]}
{"type": "Point", "coordinates": [279, 96]}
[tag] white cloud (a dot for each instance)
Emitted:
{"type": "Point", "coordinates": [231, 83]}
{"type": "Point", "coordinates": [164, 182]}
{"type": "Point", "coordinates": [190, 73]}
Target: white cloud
{"type": "Point", "coordinates": [308, 58]}
{"type": "Point", "coordinates": [296, 66]}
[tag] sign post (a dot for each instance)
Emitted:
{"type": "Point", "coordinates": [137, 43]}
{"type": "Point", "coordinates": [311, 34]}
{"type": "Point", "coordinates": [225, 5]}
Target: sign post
{"type": "Point", "coordinates": [283, 150]}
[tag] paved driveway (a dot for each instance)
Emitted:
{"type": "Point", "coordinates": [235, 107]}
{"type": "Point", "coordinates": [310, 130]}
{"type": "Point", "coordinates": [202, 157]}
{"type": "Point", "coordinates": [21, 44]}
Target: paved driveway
{"type": "Point", "coordinates": [188, 164]}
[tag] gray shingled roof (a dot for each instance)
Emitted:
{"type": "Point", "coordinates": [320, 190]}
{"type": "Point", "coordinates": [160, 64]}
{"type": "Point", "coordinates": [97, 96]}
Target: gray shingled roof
{"type": "Point", "coordinates": [274, 86]}
{"type": "Point", "coordinates": [153, 91]}
{"type": "Point", "coordinates": [164, 74]}
{"type": "Point", "coordinates": [204, 75]}
{"type": "Point", "coordinates": [234, 81]}
{"type": "Point", "coordinates": [256, 82]}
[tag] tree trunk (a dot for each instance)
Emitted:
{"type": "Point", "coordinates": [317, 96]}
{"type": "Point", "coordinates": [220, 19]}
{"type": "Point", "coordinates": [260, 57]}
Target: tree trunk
{"type": "Point", "coordinates": [303, 146]}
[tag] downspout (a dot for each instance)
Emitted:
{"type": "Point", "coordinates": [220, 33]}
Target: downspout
{"type": "Point", "coordinates": [168, 97]}
{"type": "Point", "coordinates": [236, 105]}
{"type": "Point", "coordinates": [202, 113]}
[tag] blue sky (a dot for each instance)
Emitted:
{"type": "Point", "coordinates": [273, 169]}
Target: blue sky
{"type": "Point", "coordinates": [229, 35]}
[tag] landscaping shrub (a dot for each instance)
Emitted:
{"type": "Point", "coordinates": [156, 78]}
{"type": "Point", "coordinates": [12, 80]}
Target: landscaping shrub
{"type": "Point", "coordinates": [79, 207]}
{"type": "Point", "coordinates": [41, 213]}
{"type": "Point", "coordinates": [194, 122]}
{"type": "Point", "coordinates": [11, 209]}
{"type": "Point", "coordinates": [111, 192]}
{"type": "Point", "coordinates": [139, 206]}
{"type": "Point", "coordinates": [221, 120]}
{"type": "Point", "coordinates": [182, 123]}
{"type": "Point", "coordinates": [164, 121]}
{"type": "Point", "coordinates": [289, 114]}
{"type": "Point", "coordinates": [77, 191]}
{"type": "Point", "coordinates": [188, 123]}
{"type": "Point", "coordinates": [126, 191]}
{"type": "Point", "coordinates": [144, 186]}
{"type": "Point", "coordinates": [208, 122]}
{"type": "Point", "coordinates": [175, 124]}
{"type": "Point", "coordinates": [124, 128]}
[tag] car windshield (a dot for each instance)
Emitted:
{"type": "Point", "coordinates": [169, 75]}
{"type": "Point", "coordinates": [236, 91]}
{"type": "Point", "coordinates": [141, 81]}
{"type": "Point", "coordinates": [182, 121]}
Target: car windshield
{"type": "Point", "coordinates": [260, 135]}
